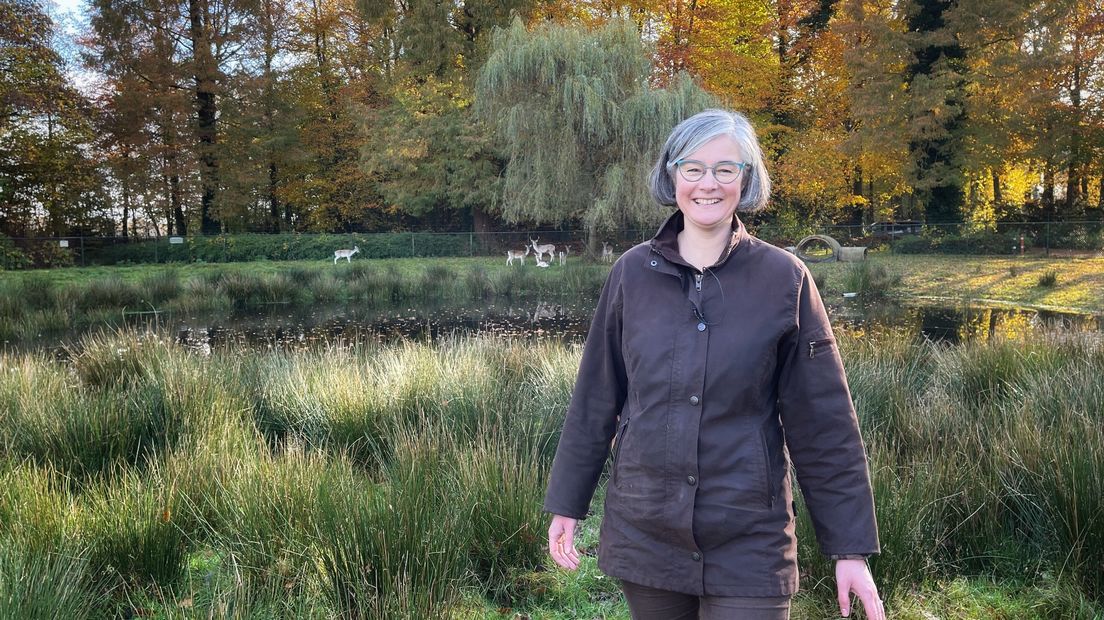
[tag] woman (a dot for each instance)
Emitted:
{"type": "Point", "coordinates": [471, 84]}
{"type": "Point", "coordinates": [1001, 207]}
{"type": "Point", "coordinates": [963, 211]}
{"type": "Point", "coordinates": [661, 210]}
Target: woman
{"type": "Point", "coordinates": [709, 352]}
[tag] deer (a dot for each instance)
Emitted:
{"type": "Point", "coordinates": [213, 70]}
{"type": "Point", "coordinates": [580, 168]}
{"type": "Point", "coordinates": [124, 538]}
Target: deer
{"type": "Point", "coordinates": [346, 254]}
{"type": "Point", "coordinates": [563, 255]}
{"type": "Point", "coordinates": [544, 248]}
{"type": "Point", "coordinates": [607, 252]}
{"type": "Point", "coordinates": [518, 254]}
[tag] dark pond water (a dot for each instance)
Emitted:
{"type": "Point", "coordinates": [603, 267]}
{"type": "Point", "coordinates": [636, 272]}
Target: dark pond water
{"type": "Point", "coordinates": [565, 320]}
{"type": "Point", "coordinates": [568, 320]}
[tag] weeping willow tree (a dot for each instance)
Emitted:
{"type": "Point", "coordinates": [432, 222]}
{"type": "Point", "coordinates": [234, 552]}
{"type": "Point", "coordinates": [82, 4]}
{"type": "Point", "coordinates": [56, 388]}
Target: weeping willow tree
{"type": "Point", "coordinates": [580, 123]}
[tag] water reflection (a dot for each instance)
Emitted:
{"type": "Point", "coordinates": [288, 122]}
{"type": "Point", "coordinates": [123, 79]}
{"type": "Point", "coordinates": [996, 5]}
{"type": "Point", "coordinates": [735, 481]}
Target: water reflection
{"type": "Point", "coordinates": [538, 319]}
{"type": "Point", "coordinates": [565, 320]}
{"type": "Point", "coordinates": [959, 324]}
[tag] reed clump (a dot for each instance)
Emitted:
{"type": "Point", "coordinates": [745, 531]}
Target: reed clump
{"type": "Point", "coordinates": [870, 280]}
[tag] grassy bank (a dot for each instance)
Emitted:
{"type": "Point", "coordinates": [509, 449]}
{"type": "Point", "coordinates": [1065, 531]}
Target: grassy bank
{"type": "Point", "coordinates": [405, 481]}
{"type": "Point", "coordinates": [38, 303]}
{"type": "Point", "coordinates": [1064, 284]}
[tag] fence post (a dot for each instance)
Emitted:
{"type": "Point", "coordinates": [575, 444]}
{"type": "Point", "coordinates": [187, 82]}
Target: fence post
{"type": "Point", "coordinates": [412, 244]}
{"type": "Point", "coordinates": [82, 250]}
{"type": "Point", "coordinates": [1048, 239]}
{"type": "Point", "coordinates": [471, 243]}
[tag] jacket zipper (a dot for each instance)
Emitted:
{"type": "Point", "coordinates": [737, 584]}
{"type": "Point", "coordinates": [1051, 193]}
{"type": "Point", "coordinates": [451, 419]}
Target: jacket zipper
{"type": "Point", "coordinates": [817, 344]}
{"type": "Point", "coordinates": [770, 477]}
{"type": "Point", "coordinates": [617, 439]}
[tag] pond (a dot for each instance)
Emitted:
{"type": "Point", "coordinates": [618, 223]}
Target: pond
{"type": "Point", "coordinates": [565, 320]}
{"type": "Point", "coordinates": [568, 321]}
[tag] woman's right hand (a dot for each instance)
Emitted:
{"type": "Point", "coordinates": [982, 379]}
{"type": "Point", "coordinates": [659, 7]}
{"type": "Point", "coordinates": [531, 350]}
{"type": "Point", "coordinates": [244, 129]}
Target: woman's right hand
{"type": "Point", "coordinates": [561, 542]}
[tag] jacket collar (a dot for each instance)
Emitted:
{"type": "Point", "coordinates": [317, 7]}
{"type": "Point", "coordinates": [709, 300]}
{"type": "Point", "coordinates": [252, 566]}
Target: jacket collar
{"type": "Point", "coordinates": [665, 241]}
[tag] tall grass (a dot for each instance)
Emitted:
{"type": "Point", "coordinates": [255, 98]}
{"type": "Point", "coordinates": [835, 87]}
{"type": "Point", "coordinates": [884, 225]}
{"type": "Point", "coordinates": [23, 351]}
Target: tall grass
{"type": "Point", "coordinates": [390, 481]}
{"type": "Point", "coordinates": [39, 585]}
{"type": "Point", "coordinates": [870, 280]}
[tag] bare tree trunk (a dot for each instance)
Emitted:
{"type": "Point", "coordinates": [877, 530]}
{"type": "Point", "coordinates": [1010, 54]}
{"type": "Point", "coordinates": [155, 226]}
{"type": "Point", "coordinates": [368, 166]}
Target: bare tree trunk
{"type": "Point", "coordinates": [206, 111]}
{"type": "Point", "coordinates": [1073, 171]}
{"type": "Point", "coordinates": [154, 216]}
{"type": "Point", "coordinates": [1048, 188]}
{"type": "Point", "coordinates": [126, 202]}
{"type": "Point", "coordinates": [871, 205]}
{"type": "Point", "coordinates": [856, 192]}
{"type": "Point", "coordinates": [997, 197]}
{"type": "Point", "coordinates": [273, 199]}
{"type": "Point", "coordinates": [1100, 196]}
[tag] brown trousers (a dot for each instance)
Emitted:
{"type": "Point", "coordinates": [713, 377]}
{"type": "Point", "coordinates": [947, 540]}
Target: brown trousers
{"type": "Point", "coordinates": [652, 604]}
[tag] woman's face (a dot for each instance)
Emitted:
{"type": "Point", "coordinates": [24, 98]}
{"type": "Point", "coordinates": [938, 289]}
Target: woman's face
{"type": "Point", "coordinates": [705, 203]}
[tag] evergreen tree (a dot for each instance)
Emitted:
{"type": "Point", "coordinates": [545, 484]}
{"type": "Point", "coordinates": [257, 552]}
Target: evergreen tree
{"type": "Point", "coordinates": [936, 117]}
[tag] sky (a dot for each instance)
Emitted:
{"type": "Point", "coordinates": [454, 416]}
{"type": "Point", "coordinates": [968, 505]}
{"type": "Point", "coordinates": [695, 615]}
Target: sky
{"type": "Point", "coordinates": [71, 20]}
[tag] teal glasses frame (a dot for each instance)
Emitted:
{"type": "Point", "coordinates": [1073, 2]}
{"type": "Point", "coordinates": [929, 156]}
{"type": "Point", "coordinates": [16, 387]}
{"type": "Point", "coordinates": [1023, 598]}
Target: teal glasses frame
{"type": "Point", "coordinates": [723, 178]}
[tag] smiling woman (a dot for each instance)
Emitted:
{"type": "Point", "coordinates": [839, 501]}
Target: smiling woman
{"type": "Point", "coordinates": [710, 358]}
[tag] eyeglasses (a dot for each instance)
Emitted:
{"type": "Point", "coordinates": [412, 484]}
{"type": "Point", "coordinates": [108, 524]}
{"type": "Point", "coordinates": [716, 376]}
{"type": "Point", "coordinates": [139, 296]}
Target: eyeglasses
{"type": "Point", "coordinates": [725, 171]}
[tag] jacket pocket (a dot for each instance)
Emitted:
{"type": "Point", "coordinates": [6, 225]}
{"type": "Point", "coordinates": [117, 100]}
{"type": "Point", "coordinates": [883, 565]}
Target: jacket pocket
{"type": "Point", "coordinates": [816, 347]}
{"type": "Point", "coordinates": [618, 438]}
{"type": "Point", "coordinates": [769, 483]}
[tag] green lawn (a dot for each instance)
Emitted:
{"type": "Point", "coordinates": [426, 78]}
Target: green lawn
{"type": "Point", "coordinates": [985, 279]}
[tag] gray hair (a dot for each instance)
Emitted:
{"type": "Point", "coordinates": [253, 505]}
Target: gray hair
{"type": "Point", "coordinates": [691, 134]}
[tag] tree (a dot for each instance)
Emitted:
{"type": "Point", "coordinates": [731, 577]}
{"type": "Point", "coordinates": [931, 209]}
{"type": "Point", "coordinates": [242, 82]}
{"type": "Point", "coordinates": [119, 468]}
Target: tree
{"type": "Point", "coordinates": [936, 107]}
{"type": "Point", "coordinates": [875, 55]}
{"type": "Point", "coordinates": [48, 183]}
{"type": "Point", "coordinates": [429, 154]}
{"type": "Point", "coordinates": [580, 123]}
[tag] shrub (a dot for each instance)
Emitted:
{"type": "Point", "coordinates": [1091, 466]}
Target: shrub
{"type": "Point", "coordinates": [1048, 279]}
{"type": "Point", "coordinates": [982, 242]}
{"type": "Point", "coordinates": [48, 253]}
{"type": "Point", "coordinates": [10, 256]}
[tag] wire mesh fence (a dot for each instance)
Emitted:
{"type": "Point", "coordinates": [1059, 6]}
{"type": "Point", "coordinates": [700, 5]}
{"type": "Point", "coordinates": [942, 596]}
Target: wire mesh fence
{"type": "Point", "coordinates": [1060, 239]}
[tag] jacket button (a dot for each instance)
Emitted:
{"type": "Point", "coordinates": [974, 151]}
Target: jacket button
{"type": "Point", "coordinates": [701, 327]}
{"type": "Point", "coordinates": [695, 556]}
{"type": "Point", "coordinates": [691, 480]}
{"type": "Point", "coordinates": [694, 400]}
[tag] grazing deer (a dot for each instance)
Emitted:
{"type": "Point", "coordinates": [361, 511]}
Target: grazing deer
{"type": "Point", "coordinates": [346, 254]}
{"type": "Point", "coordinates": [541, 263]}
{"type": "Point", "coordinates": [544, 248]}
{"type": "Point", "coordinates": [518, 254]}
{"type": "Point", "coordinates": [607, 252]}
{"type": "Point", "coordinates": [563, 255]}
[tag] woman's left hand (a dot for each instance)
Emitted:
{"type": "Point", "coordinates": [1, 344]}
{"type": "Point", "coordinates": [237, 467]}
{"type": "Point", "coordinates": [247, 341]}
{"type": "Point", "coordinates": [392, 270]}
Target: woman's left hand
{"type": "Point", "coordinates": [854, 576]}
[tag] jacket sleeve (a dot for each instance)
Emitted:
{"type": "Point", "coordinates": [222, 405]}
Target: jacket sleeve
{"type": "Point", "coordinates": [822, 430]}
{"type": "Point", "coordinates": [596, 401]}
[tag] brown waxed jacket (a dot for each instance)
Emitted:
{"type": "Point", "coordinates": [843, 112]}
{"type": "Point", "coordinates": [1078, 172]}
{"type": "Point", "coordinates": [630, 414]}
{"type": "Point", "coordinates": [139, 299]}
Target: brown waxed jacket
{"type": "Point", "coordinates": [709, 385]}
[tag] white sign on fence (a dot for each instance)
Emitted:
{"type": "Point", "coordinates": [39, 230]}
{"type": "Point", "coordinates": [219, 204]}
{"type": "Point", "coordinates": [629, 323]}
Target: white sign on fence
{"type": "Point", "coordinates": [176, 240]}
{"type": "Point", "coordinates": [64, 243]}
